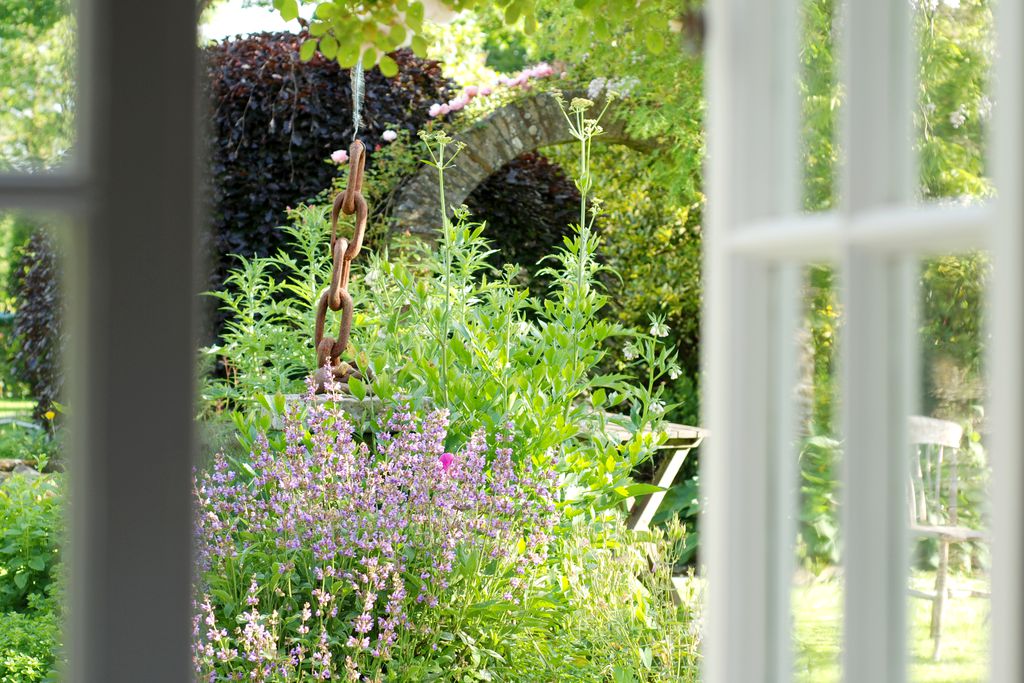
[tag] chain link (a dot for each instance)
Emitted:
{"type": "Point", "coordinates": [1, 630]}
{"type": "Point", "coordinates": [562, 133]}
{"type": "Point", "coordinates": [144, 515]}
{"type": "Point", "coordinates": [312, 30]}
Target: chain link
{"type": "Point", "coordinates": [336, 296]}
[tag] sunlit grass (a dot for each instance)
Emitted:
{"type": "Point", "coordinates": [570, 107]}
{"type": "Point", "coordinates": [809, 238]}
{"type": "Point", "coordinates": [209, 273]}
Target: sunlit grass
{"type": "Point", "coordinates": [817, 612]}
{"type": "Point", "coordinates": [15, 407]}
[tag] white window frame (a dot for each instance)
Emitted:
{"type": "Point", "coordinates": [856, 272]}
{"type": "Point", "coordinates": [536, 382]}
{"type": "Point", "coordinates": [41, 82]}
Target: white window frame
{"type": "Point", "coordinates": [130, 200]}
{"type": "Point", "coordinates": [756, 243]}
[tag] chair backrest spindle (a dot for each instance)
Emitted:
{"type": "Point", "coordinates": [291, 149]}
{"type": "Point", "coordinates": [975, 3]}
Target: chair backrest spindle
{"type": "Point", "coordinates": [930, 438]}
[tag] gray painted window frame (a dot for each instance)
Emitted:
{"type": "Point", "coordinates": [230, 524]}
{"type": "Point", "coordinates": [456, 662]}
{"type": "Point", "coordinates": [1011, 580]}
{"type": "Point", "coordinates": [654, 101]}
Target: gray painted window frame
{"type": "Point", "coordinates": [129, 200]}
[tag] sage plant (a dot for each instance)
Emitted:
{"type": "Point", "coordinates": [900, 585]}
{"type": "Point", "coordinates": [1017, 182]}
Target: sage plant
{"type": "Point", "coordinates": [335, 559]}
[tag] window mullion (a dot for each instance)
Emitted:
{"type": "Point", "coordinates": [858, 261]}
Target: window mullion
{"type": "Point", "coordinates": [1004, 361]}
{"type": "Point", "coordinates": [752, 177]}
{"type": "Point", "coordinates": [878, 344]}
{"type": "Point", "coordinates": [131, 366]}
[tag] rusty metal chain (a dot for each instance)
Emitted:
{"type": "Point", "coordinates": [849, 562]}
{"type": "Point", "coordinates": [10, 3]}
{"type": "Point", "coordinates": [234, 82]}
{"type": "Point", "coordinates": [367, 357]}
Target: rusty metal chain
{"type": "Point", "coordinates": [336, 296]}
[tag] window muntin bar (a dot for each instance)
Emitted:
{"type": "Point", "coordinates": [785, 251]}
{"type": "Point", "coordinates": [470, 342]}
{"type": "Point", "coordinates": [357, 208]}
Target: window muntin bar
{"type": "Point", "coordinates": [753, 52]}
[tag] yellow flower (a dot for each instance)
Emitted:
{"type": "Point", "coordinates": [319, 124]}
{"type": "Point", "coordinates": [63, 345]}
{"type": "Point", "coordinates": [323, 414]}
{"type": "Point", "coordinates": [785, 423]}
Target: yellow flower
{"type": "Point", "coordinates": [49, 414]}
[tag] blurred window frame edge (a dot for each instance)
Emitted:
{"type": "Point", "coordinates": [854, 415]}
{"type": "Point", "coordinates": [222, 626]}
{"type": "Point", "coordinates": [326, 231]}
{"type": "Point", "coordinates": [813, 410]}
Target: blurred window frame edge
{"type": "Point", "coordinates": [751, 249]}
{"type": "Point", "coordinates": [128, 199]}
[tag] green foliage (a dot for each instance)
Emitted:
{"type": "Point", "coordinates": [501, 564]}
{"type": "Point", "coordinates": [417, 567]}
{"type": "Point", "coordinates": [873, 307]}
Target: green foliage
{"type": "Point", "coordinates": [37, 84]}
{"type": "Point", "coordinates": [31, 523]}
{"type": "Point", "coordinates": [366, 32]}
{"type": "Point", "coordinates": [31, 526]}
{"type": "Point", "coordinates": [444, 329]}
{"type": "Point", "coordinates": [662, 90]}
{"type": "Point", "coordinates": [952, 332]}
{"type": "Point", "coordinates": [622, 621]}
{"type": "Point", "coordinates": [266, 346]}
{"type": "Point", "coordinates": [29, 643]}
{"type": "Point", "coordinates": [439, 327]}
{"type": "Point", "coordinates": [528, 205]}
{"type": "Point", "coordinates": [37, 446]}
{"type": "Point", "coordinates": [820, 101]}
{"type": "Point", "coordinates": [956, 49]}
{"type": "Point", "coordinates": [819, 505]}
{"type": "Point", "coordinates": [19, 18]}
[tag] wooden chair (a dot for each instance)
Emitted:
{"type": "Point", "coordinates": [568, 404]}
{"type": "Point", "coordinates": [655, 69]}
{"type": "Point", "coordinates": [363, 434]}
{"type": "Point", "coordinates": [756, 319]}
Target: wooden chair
{"type": "Point", "coordinates": [933, 486]}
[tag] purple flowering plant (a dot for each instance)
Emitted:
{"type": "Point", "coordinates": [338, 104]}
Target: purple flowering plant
{"type": "Point", "coordinates": [389, 557]}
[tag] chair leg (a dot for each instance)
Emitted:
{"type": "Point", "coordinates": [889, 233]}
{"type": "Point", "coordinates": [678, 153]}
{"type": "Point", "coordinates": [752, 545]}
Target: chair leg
{"type": "Point", "coordinates": [939, 603]}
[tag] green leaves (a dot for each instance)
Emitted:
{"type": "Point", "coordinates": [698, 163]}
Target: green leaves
{"type": "Point", "coordinates": [307, 49]}
{"type": "Point", "coordinates": [329, 47]}
{"type": "Point", "coordinates": [289, 9]}
{"type": "Point", "coordinates": [30, 523]}
{"type": "Point", "coordinates": [357, 388]}
{"type": "Point", "coordinates": [388, 66]}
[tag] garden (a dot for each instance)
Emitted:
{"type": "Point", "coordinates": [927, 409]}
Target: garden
{"type": "Point", "coordinates": [451, 333]}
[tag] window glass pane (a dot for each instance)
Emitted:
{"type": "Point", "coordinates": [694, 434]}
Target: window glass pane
{"type": "Point", "coordinates": [37, 84]}
{"type": "Point", "coordinates": [381, 560]}
{"type": "Point", "coordinates": [956, 49]}
{"type": "Point", "coordinates": [33, 483]}
{"type": "Point", "coordinates": [820, 98]}
{"type": "Point", "coordinates": [817, 594]}
{"type": "Point", "coordinates": [948, 477]}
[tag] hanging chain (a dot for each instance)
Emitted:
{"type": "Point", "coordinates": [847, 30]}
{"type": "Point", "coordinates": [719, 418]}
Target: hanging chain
{"type": "Point", "coordinates": [357, 79]}
{"type": "Point", "coordinates": [336, 296]}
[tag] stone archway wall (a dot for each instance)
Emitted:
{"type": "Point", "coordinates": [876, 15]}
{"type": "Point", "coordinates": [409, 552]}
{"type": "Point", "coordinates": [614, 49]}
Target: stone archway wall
{"type": "Point", "coordinates": [519, 127]}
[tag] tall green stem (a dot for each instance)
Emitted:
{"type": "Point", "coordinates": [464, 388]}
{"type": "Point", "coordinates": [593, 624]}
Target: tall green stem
{"type": "Point", "coordinates": [447, 247]}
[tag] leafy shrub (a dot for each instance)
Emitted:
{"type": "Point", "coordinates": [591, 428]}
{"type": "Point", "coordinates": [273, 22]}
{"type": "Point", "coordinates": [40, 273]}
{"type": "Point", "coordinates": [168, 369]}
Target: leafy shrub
{"type": "Point", "coordinates": [29, 645]}
{"type": "Point", "coordinates": [31, 524]}
{"type": "Point", "coordinates": [276, 120]}
{"type": "Point", "coordinates": [819, 504]}
{"type": "Point", "coordinates": [35, 445]}
{"type": "Point", "coordinates": [528, 205]}
{"type": "Point", "coordinates": [438, 326]}
{"type": "Point", "coordinates": [443, 331]}
{"type": "Point", "coordinates": [270, 305]}
{"type": "Point", "coordinates": [404, 560]}
{"type": "Point", "coordinates": [31, 586]}
{"type": "Point", "coordinates": [38, 322]}
{"type": "Point", "coordinates": [293, 535]}
{"type": "Point", "coordinates": [625, 616]}
{"type": "Point", "coordinates": [404, 557]}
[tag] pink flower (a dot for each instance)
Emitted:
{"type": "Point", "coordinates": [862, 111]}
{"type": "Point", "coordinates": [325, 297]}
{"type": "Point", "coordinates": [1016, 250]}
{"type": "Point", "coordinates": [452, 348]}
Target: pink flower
{"type": "Point", "coordinates": [471, 91]}
{"type": "Point", "coordinates": [339, 156]}
{"type": "Point", "coordinates": [485, 91]}
{"type": "Point", "coordinates": [435, 110]}
{"type": "Point", "coordinates": [445, 109]}
{"type": "Point", "coordinates": [389, 136]}
{"type": "Point", "coordinates": [457, 103]}
{"type": "Point", "coordinates": [542, 70]}
{"type": "Point", "coordinates": [446, 461]}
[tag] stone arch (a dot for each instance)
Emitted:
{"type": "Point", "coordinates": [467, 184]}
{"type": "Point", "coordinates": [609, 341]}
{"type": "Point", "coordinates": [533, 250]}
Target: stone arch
{"type": "Point", "coordinates": [493, 141]}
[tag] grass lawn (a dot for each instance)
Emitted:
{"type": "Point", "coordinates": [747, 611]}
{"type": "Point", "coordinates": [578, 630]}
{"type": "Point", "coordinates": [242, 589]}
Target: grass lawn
{"type": "Point", "coordinates": [10, 407]}
{"type": "Point", "coordinates": [817, 612]}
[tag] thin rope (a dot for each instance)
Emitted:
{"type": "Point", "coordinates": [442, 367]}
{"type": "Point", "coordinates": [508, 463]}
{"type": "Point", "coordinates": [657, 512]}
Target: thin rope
{"type": "Point", "coordinates": [358, 85]}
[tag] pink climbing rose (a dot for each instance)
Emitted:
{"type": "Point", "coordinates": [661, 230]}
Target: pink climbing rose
{"type": "Point", "coordinates": [435, 110]}
{"type": "Point", "coordinates": [339, 156]}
